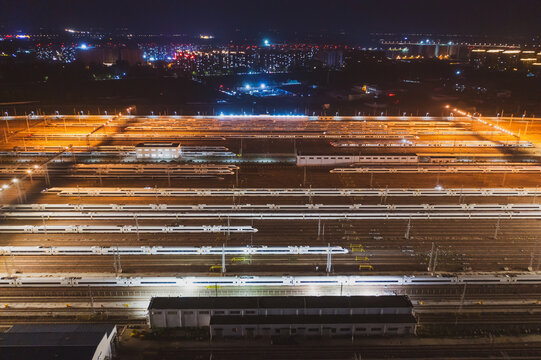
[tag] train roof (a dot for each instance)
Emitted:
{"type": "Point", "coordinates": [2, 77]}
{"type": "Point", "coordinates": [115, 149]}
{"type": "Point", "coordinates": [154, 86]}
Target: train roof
{"type": "Point", "coordinates": [158, 145]}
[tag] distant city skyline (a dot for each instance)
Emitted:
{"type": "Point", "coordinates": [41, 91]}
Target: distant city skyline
{"type": "Point", "coordinates": [290, 20]}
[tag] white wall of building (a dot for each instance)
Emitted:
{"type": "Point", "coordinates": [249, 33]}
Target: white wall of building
{"type": "Point", "coordinates": [365, 329]}
{"type": "Point", "coordinates": [106, 349]}
{"type": "Point", "coordinates": [157, 153]}
{"type": "Point", "coordinates": [201, 317]}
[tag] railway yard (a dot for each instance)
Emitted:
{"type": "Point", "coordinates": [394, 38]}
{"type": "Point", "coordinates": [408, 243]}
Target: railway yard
{"type": "Point", "coordinates": [444, 209]}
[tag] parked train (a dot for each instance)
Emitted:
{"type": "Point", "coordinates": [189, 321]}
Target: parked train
{"type": "Point", "coordinates": [269, 281]}
{"type": "Point", "coordinates": [107, 229]}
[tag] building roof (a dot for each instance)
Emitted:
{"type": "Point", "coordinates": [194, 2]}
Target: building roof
{"type": "Point", "coordinates": [47, 353]}
{"type": "Point", "coordinates": [45, 339]}
{"type": "Point", "coordinates": [157, 145]}
{"type": "Point", "coordinates": [279, 302]}
{"type": "Point", "coordinates": [52, 341]}
{"type": "Point", "coordinates": [203, 303]}
{"type": "Point", "coordinates": [313, 319]}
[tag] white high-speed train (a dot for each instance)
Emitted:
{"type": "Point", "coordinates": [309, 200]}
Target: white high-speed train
{"type": "Point", "coordinates": [269, 281]}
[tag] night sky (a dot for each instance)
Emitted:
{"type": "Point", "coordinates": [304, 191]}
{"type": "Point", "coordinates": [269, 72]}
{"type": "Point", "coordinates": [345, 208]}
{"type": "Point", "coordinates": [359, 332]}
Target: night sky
{"type": "Point", "coordinates": [224, 18]}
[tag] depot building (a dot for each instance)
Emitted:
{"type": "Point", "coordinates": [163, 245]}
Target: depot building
{"type": "Point", "coordinates": [157, 151]}
{"type": "Point", "coordinates": [287, 315]}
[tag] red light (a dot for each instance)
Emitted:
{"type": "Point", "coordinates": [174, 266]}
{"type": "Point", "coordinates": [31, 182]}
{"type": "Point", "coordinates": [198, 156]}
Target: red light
{"type": "Point", "coordinates": [392, 94]}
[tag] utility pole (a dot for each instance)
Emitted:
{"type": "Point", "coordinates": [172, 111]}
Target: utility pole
{"type": "Point", "coordinates": [430, 260]}
{"type": "Point", "coordinates": [117, 265]}
{"type": "Point", "coordinates": [44, 227]}
{"type": "Point", "coordinates": [329, 266]}
{"type": "Point", "coordinates": [461, 303]}
{"type": "Point", "coordinates": [408, 228]}
{"type": "Point", "coordinates": [435, 260]}
{"type": "Point", "coordinates": [47, 179]}
{"type": "Point", "coordinates": [91, 298]}
{"type": "Point", "coordinates": [223, 258]}
{"type": "Point", "coordinates": [497, 229]}
{"type": "Point", "coordinates": [137, 227]}
{"type": "Point", "coordinates": [228, 228]}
